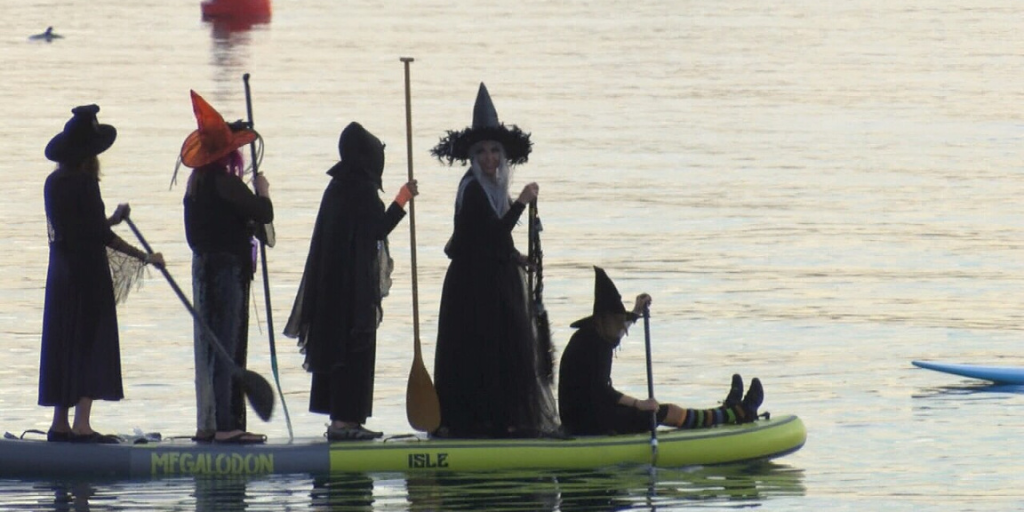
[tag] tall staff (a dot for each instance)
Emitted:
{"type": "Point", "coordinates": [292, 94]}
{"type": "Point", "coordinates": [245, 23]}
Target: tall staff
{"type": "Point", "coordinates": [268, 238]}
{"type": "Point", "coordinates": [421, 405]}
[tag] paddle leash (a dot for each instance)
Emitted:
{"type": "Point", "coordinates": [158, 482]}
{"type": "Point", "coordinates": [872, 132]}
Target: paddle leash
{"type": "Point", "coordinates": [650, 387]}
{"type": "Point", "coordinates": [257, 389]}
{"type": "Point", "coordinates": [536, 287]}
{"type": "Point", "coordinates": [268, 238]}
{"type": "Point", "coordinates": [422, 407]}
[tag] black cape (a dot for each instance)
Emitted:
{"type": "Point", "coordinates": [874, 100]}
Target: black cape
{"type": "Point", "coordinates": [339, 298]}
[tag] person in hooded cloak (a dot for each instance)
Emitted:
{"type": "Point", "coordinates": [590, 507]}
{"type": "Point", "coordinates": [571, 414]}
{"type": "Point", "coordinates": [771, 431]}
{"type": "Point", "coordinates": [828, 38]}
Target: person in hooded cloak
{"type": "Point", "coordinates": [590, 405]}
{"type": "Point", "coordinates": [487, 361]}
{"type": "Point", "coordinates": [338, 305]}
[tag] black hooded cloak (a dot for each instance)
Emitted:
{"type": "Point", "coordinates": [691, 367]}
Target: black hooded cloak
{"type": "Point", "coordinates": [338, 305]}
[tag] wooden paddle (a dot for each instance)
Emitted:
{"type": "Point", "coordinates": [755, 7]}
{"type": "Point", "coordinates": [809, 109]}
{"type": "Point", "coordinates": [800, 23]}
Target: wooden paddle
{"type": "Point", "coordinates": [421, 404]}
{"type": "Point", "coordinates": [650, 386]}
{"type": "Point", "coordinates": [267, 239]}
{"type": "Point", "coordinates": [257, 389]}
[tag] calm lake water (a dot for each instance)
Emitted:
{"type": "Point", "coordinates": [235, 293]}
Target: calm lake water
{"type": "Point", "coordinates": [815, 193]}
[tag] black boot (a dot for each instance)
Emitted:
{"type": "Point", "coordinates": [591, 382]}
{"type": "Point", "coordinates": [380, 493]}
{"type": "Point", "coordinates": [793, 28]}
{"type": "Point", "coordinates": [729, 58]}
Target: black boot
{"type": "Point", "coordinates": [735, 392]}
{"type": "Point", "coordinates": [751, 402]}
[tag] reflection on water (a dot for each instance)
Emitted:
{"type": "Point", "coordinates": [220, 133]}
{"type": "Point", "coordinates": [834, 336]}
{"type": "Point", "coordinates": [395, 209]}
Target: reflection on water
{"type": "Point", "coordinates": [627, 488]}
{"type": "Point", "coordinates": [974, 391]}
{"type": "Point", "coordinates": [220, 494]}
{"type": "Point", "coordinates": [342, 493]}
{"type": "Point", "coordinates": [506, 490]}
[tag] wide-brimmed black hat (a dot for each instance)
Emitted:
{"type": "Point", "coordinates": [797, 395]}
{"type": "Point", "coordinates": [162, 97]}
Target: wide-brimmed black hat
{"type": "Point", "coordinates": [455, 144]}
{"type": "Point", "coordinates": [606, 299]}
{"type": "Point", "coordinates": [83, 136]}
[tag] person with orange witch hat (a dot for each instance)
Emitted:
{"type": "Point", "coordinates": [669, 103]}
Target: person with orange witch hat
{"type": "Point", "coordinates": [221, 215]}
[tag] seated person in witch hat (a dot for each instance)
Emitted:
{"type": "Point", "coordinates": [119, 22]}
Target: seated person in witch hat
{"type": "Point", "coordinates": [590, 405]}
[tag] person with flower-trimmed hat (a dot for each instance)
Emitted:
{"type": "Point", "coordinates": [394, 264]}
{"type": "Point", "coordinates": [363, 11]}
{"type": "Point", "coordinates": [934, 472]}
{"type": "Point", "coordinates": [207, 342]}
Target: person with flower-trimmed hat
{"type": "Point", "coordinates": [80, 356]}
{"type": "Point", "coordinates": [487, 361]}
{"type": "Point", "coordinates": [221, 215]}
{"type": "Point", "coordinates": [590, 405]}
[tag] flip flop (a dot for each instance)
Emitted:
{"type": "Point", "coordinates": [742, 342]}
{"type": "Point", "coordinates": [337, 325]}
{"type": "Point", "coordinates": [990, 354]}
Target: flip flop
{"type": "Point", "coordinates": [242, 438]}
{"type": "Point", "coordinates": [54, 436]}
{"type": "Point", "coordinates": [357, 433]}
{"type": "Point", "coordinates": [203, 437]}
{"type": "Point", "coordinates": [95, 438]}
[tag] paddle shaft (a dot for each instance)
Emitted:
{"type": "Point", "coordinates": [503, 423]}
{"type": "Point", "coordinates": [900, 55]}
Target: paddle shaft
{"type": "Point", "coordinates": [650, 385]}
{"type": "Point", "coordinates": [422, 407]}
{"type": "Point", "coordinates": [266, 272]}
{"type": "Point", "coordinates": [412, 209]}
{"type": "Point", "coordinates": [223, 352]}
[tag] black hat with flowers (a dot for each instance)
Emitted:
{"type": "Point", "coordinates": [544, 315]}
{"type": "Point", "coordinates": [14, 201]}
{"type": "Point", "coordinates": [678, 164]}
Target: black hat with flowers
{"type": "Point", "coordinates": [455, 144]}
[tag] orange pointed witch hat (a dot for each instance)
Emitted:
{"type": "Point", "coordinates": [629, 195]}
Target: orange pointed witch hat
{"type": "Point", "coordinates": [213, 138]}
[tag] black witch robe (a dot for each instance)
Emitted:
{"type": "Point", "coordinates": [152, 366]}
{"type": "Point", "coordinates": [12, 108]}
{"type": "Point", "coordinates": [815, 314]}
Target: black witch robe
{"type": "Point", "coordinates": [80, 354]}
{"type": "Point", "coordinates": [338, 306]}
{"type": "Point", "coordinates": [486, 359]}
{"type": "Point", "coordinates": [587, 401]}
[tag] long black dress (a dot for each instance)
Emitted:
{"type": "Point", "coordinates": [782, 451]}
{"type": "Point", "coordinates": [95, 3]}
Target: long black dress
{"type": "Point", "coordinates": [486, 359]}
{"type": "Point", "coordinates": [80, 354]}
{"type": "Point", "coordinates": [338, 305]}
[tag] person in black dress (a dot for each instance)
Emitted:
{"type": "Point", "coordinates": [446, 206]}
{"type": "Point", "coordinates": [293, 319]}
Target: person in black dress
{"type": "Point", "coordinates": [487, 359]}
{"type": "Point", "coordinates": [590, 405]}
{"type": "Point", "coordinates": [348, 272]}
{"type": "Point", "coordinates": [90, 270]}
{"type": "Point", "coordinates": [221, 215]}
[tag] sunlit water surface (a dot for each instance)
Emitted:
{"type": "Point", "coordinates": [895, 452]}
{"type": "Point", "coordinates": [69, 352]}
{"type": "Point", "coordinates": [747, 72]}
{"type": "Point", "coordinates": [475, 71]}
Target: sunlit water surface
{"type": "Point", "coordinates": [815, 193]}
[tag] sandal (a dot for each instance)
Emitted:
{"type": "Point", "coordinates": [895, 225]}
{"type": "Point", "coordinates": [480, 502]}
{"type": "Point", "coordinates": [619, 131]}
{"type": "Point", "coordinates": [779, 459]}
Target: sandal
{"type": "Point", "coordinates": [357, 433]}
{"type": "Point", "coordinates": [56, 436]}
{"type": "Point", "coordinates": [94, 438]}
{"type": "Point", "coordinates": [203, 437]}
{"type": "Point", "coordinates": [242, 438]}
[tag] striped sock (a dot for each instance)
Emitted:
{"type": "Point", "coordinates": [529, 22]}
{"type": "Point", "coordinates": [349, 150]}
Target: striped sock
{"type": "Point", "coordinates": [703, 418]}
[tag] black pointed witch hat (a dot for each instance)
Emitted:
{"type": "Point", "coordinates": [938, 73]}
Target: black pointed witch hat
{"type": "Point", "coordinates": [606, 299]}
{"type": "Point", "coordinates": [455, 144]}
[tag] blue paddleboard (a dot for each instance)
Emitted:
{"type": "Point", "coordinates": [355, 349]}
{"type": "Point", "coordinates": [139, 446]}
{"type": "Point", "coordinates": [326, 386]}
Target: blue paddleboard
{"type": "Point", "coordinates": [997, 374]}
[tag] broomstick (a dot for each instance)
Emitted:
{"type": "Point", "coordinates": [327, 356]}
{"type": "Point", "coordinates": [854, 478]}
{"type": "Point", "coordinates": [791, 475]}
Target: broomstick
{"type": "Point", "coordinates": [540, 314]}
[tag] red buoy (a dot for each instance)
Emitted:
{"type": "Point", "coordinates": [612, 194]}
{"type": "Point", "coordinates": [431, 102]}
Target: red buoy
{"type": "Point", "coordinates": [253, 11]}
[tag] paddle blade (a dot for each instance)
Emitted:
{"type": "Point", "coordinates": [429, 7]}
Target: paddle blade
{"type": "Point", "coordinates": [421, 404]}
{"type": "Point", "coordinates": [260, 394]}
